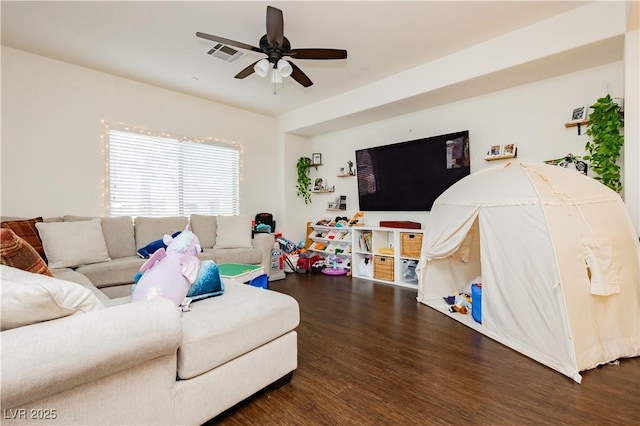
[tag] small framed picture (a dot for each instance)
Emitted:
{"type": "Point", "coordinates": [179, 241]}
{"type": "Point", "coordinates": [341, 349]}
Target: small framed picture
{"type": "Point", "coordinates": [495, 150]}
{"type": "Point", "coordinates": [509, 149]}
{"type": "Point", "coordinates": [579, 113]}
{"type": "Point", "coordinates": [319, 184]}
{"type": "Point", "coordinates": [316, 158]}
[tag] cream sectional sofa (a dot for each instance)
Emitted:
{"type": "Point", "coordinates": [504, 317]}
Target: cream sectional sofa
{"type": "Point", "coordinates": [73, 353]}
{"type": "Point", "coordinates": [125, 235]}
{"type": "Point", "coordinates": [119, 363]}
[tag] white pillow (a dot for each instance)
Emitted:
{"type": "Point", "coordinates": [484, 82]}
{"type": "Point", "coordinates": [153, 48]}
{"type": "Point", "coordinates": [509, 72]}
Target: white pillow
{"type": "Point", "coordinates": [70, 244]}
{"type": "Point", "coordinates": [233, 232]}
{"type": "Point", "coordinates": [29, 298]}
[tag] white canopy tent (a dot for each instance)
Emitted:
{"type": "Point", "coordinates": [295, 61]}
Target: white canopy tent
{"type": "Point", "coordinates": [558, 257]}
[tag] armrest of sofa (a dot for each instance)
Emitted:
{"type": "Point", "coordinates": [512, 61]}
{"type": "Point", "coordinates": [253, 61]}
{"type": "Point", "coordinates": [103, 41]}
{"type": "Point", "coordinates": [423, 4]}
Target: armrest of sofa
{"type": "Point", "coordinates": [264, 242]}
{"type": "Point", "coordinates": [54, 356]}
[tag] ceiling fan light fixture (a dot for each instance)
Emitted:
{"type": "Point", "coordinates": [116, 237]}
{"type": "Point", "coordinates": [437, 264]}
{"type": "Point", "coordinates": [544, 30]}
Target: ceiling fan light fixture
{"type": "Point", "coordinates": [262, 67]}
{"type": "Point", "coordinates": [275, 45]}
{"type": "Point", "coordinates": [285, 68]}
{"type": "Point", "coordinates": [276, 76]}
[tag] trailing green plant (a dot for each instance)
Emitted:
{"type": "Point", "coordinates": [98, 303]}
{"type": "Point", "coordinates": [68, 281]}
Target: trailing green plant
{"type": "Point", "coordinates": [303, 184]}
{"type": "Point", "coordinates": [603, 150]}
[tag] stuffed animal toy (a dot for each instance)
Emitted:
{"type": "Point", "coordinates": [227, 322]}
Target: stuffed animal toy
{"type": "Point", "coordinates": [461, 303]}
{"type": "Point", "coordinates": [146, 251]}
{"type": "Point", "coordinates": [177, 274]}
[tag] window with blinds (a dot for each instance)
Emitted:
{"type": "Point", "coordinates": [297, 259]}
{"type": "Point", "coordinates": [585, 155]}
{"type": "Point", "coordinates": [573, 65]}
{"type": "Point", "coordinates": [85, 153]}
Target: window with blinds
{"type": "Point", "coordinates": [163, 176]}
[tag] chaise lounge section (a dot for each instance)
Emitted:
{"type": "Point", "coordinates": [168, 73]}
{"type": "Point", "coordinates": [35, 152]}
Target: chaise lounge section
{"type": "Point", "coordinates": [144, 362]}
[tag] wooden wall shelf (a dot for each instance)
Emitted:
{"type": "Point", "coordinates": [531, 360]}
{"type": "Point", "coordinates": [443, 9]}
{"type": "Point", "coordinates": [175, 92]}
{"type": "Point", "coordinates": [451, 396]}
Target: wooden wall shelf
{"type": "Point", "coordinates": [577, 124]}
{"type": "Point", "coordinates": [499, 157]}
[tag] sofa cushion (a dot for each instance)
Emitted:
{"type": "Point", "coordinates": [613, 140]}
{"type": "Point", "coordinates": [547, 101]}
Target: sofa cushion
{"type": "Point", "coordinates": [153, 228]}
{"type": "Point", "coordinates": [233, 232]}
{"type": "Point", "coordinates": [16, 252]}
{"type": "Point", "coordinates": [68, 274]}
{"type": "Point", "coordinates": [26, 229]}
{"type": "Point", "coordinates": [204, 226]}
{"type": "Point", "coordinates": [240, 320]}
{"type": "Point", "coordinates": [69, 244]}
{"type": "Point", "coordinates": [207, 254]}
{"type": "Point", "coordinates": [251, 256]}
{"type": "Point", "coordinates": [29, 298]}
{"type": "Point", "coordinates": [116, 272]}
{"type": "Point", "coordinates": [118, 234]}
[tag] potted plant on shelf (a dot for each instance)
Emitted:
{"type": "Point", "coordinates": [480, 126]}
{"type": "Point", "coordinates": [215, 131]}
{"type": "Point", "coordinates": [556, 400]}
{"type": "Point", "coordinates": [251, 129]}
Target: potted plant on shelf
{"type": "Point", "coordinates": [603, 150]}
{"type": "Point", "coordinates": [304, 181]}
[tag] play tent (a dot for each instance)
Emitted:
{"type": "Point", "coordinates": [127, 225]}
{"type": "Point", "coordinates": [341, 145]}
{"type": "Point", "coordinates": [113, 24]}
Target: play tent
{"type": "Point", "coordinates": [558, 258]}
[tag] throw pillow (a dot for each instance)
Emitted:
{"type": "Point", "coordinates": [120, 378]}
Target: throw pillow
{"type": "Point", "coordinates": [31, 298]}
{"type": "Point", "coordinates": [233, 232]}
{"type": "Point", "coordinates": [204, 226]}
{"type": "Point", "coordinates": [26, 229]}
{"type": "Point", "coordinates": [71, 244]}
{"type": "Point", "coordinates": [149, 249]}
{"type": "Point", "coordinates": [16, 252]}
{"type": "Point", "coordinates": [208, 283]}
{"type": "Point", "coordinates": [118, 234]}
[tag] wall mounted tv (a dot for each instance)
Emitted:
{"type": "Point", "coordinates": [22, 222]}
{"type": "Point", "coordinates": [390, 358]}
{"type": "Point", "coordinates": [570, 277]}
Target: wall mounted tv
{"type": "Point", "coordinates": [409, 176]}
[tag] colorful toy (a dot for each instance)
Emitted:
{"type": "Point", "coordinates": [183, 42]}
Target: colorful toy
{"type": "Point", "coordinates": [177, 274]}
{"type": "Point", "coordinates": [263, 228]}
{"type": "Point", "coordinates": [286, 245]}
{"type": "Point", "coordinates": [459, 302]}
{"type": "Point", "coordinates": [355, 218]}
{"type": "Point", "coordinates": [334, 266]}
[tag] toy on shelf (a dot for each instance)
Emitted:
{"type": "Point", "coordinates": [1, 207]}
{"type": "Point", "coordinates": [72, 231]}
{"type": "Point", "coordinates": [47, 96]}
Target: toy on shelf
{"type": "Point", "coordinates": [319, 246]}
{"type": "Point", "coordinates": [356, 217]}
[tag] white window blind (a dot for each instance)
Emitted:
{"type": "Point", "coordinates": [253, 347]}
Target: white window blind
{"type": "Point", "coordinates": [160, 176]}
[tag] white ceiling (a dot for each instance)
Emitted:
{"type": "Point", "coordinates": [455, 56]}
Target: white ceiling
{"type": "Point", "coordinates": [154, 41]}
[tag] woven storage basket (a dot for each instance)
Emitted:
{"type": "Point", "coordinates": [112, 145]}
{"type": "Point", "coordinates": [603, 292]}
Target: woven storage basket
{"type": "Point", "coordinates": [383, 268]}
{"type": "Point", "coordinates": [410, 245]}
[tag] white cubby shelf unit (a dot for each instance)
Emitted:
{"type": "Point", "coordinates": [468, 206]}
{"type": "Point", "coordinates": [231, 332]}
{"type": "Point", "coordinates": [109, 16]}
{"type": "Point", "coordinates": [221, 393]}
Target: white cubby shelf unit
{"type": "Point", "coordinates": [386, 255]}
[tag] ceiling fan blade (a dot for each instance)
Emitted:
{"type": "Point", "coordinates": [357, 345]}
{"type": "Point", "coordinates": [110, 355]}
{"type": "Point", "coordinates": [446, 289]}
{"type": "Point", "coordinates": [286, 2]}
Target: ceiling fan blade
{"type": "Point", "coordinates": [299, 76]}
{"type": "Point", "coordinates": [228, 42]}
{"type": "Point", "coordinates": [318, 53]}
{"type": "Point", "coordinates": [275, 26]}
{"type": "Point", "coordinates": [247, 71]}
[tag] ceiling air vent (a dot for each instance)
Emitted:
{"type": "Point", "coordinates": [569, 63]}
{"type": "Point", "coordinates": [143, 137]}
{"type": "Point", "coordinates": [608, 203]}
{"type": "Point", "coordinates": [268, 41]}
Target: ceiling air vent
{"type": "Point", "coordinates": [226, 53]}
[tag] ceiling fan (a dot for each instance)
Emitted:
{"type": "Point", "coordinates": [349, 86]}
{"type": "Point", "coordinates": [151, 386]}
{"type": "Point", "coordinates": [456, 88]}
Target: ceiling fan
{"type": "Point", "coordinates": [275, 45]}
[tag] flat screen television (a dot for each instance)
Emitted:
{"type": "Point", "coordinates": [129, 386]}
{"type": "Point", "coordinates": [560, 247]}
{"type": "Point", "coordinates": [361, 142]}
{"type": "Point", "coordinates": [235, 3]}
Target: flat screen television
{"type": "Point", "coordinates": [409, 176]}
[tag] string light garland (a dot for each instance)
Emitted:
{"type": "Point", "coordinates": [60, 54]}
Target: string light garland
{"type": "Point", "coordinates": [107, 126]}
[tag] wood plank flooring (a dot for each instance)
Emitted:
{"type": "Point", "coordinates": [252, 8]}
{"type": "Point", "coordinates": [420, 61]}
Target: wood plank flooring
{"type": "Point", "coordinates": [370, 354]}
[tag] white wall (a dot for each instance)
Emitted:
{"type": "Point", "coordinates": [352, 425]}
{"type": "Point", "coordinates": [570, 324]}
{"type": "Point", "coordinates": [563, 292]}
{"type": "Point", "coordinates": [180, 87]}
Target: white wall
{"type": "Point", "coordinates": [632, 127]}
{"type": "Point", "coordinates": [531, 115]}
{"type": "Point", "coordinates": [557, 37]}
{"type": "Point", "coordinates": [52, 112]}
{"type": "Point", "coordinates": [294, 214]}
{"type": "Point", "coordinates": [532, 83]}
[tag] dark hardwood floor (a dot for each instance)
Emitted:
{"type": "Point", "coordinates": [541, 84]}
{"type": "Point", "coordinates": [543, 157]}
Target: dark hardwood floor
{"type": "Point", "coordinates": [371, 354]}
